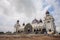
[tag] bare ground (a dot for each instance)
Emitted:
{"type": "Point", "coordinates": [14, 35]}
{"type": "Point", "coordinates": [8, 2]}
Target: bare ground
{"type": "Point", "coordinates": [28, 37]}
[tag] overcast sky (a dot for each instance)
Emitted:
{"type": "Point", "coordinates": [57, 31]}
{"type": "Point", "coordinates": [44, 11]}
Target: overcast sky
{"type": "Point", "coordinates": [26, 11]}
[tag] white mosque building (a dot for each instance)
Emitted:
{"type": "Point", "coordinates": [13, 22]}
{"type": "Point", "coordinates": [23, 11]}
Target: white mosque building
{"type": "Point", "coordinates": [47, 26]}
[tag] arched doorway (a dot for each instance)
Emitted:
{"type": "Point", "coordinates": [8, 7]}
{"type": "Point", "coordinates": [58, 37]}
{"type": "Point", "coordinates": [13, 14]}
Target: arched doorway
{"type": "Point", "coordinates": [28, 28]}
{"type": "Point", "coordinates": [44, 31]}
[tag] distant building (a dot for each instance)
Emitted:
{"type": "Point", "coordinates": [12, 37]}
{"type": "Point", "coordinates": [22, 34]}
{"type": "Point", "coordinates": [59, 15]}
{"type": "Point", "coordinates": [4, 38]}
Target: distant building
{"type": "Point", "coordinates": [8, 32]}
{"type": "Point", "coordinates": [46, 26]}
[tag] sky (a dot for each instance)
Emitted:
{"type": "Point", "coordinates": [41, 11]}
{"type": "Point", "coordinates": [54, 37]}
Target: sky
{"type": "Point", "coordinates": [26, 11]}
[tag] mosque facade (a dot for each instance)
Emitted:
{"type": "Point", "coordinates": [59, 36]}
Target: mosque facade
{"type": "Point", "coordinates": [47, 26]}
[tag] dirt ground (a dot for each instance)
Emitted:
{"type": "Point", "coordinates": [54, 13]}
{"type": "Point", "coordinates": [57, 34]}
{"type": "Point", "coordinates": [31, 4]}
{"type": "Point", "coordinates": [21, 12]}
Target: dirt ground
{"type": "Point", "coordinates": [28, 37]}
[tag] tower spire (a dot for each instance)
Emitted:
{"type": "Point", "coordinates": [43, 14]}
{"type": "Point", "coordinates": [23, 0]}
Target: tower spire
{"type": "Point", "coordinates": [49, 23]}
{"type": "Point", "coordinates": [17, 25]}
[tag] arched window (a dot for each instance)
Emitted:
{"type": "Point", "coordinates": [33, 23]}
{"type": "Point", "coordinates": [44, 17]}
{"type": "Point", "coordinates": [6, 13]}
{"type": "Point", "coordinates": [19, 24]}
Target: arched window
{"type": "Point", "coordinates": [48, 21]}
{"type": "Point", "coordinates": [18, 31]}
{"type": "Point", "coordinates": [36, 31]}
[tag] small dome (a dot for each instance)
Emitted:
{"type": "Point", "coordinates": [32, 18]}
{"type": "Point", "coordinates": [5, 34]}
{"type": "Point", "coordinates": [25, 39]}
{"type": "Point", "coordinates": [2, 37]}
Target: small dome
{"type": "Point", "coordinates": [35, 21]}
{"type": "Point", "coordinates": [23, 24]}
{"type": "Point", "coordinates": [17, 20]}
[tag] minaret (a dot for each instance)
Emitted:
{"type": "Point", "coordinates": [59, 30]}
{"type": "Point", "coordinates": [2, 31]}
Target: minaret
{"type": "Point", "coordinates": [49, 23]}
{"type": "Point", "coordinates": [17, 25]}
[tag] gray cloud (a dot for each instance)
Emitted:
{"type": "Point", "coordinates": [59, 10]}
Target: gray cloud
{"type": "Point", "coordinates": [25, 11]}
{"type": "Point", "coordinates": [25, 6]}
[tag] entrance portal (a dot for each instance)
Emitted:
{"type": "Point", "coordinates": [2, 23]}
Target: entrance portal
{"type": "Point", "coordinates": [44, 31]}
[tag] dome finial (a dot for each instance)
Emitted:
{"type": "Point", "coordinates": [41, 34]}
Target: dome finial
{"type": "Point", "coordinates": [47, 12]}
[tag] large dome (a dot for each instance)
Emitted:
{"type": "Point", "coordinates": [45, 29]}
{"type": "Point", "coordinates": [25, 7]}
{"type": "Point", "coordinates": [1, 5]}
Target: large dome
{"type": "Point", "coordinates": [28, 28]}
